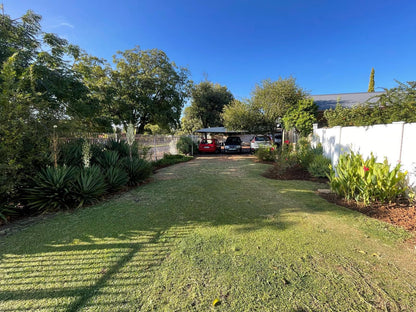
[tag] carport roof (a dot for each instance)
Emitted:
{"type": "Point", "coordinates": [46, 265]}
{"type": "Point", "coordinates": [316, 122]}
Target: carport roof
{"type": "Point", "coordinates": [217, 130]}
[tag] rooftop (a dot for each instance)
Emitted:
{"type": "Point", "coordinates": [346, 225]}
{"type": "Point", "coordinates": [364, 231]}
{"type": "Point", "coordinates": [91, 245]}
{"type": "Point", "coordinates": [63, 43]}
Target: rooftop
{"type": "Point", "coordinates": [328, 101]}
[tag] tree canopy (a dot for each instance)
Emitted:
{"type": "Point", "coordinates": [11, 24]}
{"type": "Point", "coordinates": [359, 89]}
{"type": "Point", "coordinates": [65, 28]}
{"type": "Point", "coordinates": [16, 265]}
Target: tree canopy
{"type": "Point", "coordinates": [207, 103]}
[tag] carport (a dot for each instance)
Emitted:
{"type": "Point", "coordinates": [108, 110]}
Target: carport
{"type": "Point", "coordinates": [221, 131]}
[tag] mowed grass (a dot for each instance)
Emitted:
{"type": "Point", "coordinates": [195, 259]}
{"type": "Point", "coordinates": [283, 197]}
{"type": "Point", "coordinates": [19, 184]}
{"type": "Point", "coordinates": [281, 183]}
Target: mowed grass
{"type": "Point", "coordinates": [210, 229]}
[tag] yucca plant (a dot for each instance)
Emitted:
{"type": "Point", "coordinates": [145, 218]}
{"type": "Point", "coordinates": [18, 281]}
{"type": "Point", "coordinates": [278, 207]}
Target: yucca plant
{"type": "Point", "coordinates": [52, 189]}
{"type": "Point", "coordinates": [88, 186]}
{"type": "Point", "coordinates": [122, 148]}
{"type": "Point", "coordinates": [71, 153]}
{"type": "Point", "coordinates": [116, 178]}
{"type": "Point", "coordinates": [109, 159]}
{"type": "Point", "coordinates": [137, 169]}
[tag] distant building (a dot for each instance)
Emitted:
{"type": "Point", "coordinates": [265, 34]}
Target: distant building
{"type": "Point", "coordinates": [329, 101]}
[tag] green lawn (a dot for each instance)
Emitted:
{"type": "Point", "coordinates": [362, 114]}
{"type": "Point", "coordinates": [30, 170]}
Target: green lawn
{"type": "Point", "coordinates": [212, 228]}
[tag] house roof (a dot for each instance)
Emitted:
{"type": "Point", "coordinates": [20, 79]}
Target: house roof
{"type": "Point", "coordinates": [328, 101]}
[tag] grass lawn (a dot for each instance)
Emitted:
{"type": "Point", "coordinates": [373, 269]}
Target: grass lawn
{"type": "Point", "coordinates": [212, 228]}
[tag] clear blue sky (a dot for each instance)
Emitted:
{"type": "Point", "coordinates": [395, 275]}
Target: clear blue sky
{"type": "Point", "coordinates": [328, 46]}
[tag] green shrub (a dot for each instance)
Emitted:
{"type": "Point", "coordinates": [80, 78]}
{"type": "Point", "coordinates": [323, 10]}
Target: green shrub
{"type": "Point", "coordinates": [88, 186]}
{"type": "Point", "coordinates": [319, 167]}
{"type": "Point", "coordinates": [108, 159]}
{"type": "Point", "coordinates": [169, 160]}
{"type": "Point", "coordinates": [306, 153]}
{"type": "Point", "coordinates": [266, 153]}
{"type": "Point", "coordinates": [70, 153]}
{"type": "Point", "coordinates": [122, 148]}
{"type": "Point", "coordinates": [52, 189]}
{"type": "Point", "coordinates": [115, 178]}
{"type": "Point", "coordinates": [367, 181]}
{"type": "Point", "coordinates": [185, 145]}
{"type": "Point", "coordinates": [137, 169]}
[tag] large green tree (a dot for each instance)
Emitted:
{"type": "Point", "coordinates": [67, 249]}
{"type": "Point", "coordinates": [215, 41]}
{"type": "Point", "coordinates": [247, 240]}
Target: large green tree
{"type": "Point", "coordinates": [149, 89]}
{"type": "Point", "coordinates": [242, 115]}
{"type": "Point", "coordinates": [301, 117]}
{"type": "Point", "coordinates": [275, 98]}
{"type": "Point", "coordinates": [207, 103]}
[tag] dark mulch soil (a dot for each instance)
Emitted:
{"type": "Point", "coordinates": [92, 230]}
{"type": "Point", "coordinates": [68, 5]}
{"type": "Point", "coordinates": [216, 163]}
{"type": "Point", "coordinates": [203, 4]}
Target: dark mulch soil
{"type": "Point", "coordinates": [401, 213]}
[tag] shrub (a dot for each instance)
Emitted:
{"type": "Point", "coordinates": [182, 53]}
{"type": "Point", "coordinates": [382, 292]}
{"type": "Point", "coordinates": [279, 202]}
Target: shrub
{"type": "Point", "coordinates": [108, 159]}
{"type": "Point", "coordinates": [306, 153]}
{"type": "Point", "coordinates": [319, 167]}
{"type": "Point", "coordinates": [169, 160]}
{"type": "Point", "coordinates": [266, 153]}
{"type": "Point", "coordinates": [88, 186]}
{"type": "Point", "coordinates": [137, 169]}
{"type": "Point", "coordinates": [366, 180]}
{"type": "Point", "coordinates": [122, 148]}
{"type": "Point", "coordinates": [185, 145]}
{"type": "Point", "coordinates": [52, 189]}
{"type": "Point", "coordinates": [116, 178]}
{"type": "Point", "coordinates": [71, 153]}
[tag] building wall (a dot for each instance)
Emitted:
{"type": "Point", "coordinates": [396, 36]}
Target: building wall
{"type": "Point", "coordinates": [394, 141]}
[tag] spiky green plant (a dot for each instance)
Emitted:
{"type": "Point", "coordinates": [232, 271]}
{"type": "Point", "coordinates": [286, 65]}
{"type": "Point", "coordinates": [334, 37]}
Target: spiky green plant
{"type": "Point", "coordinates": [109, 159]}
{"type": "Point", "coordinates": [52, 189]}
{"type": "Point", "coordinates": [88, 186]}
{"type": "Point", "coordinates": [137, 169]}
{"type": "Point", "coordinates": [116, 178]}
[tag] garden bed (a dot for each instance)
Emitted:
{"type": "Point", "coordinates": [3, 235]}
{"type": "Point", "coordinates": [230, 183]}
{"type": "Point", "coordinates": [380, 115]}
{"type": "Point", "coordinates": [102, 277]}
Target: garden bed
{"type": "Point", "coordinates": [401, 214]}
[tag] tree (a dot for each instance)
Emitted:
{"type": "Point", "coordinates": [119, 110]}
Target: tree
{"type": "Point", "coordinates": [242, 115]}
{"type": "Point", "coordinates": [207, 103]}
{"type": "Point", "coordinates": [190, 122]}
{"type": "Point", "coordinates": [275, 98]}
{"type": "Point", "coordinates": [148, 89]}
{"type": "Point", "coordinates": [301, 117]}
{"type": "Point", "coordinates": [371, 83]}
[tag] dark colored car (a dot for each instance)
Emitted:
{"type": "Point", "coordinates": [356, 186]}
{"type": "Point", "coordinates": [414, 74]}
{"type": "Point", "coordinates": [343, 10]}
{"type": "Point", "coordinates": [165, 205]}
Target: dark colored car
{"type": "Point", "coordinates": [209, 146]}
{"type": "Point", "coordinates": [232, 144]}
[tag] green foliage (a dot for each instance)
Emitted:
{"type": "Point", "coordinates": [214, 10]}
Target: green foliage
{"type": "Point", "coordinates": [305, 153]}
{"type": "Point", "coordinates": [71, 153]}
{"type": "Point", "coordinates": [185, 145]}
{"type": "Point", "coordinates": [148, 88]}
{"type": "Point", "coordinates": [371, 83]}
{"type": "Point", "coordinates": [242, 115]}
{"type": "Point", "coordinates": [190, 122]}
{"type": "Point", "coordinates": [275, 98]}
{"type": "Point", "coordinates": [207, 103]}
{"type": "Point", "coordinates": [266, 153]}
{"type": "Point", "coordinates": [396, 104]}
{"type": "Point", "coordinates": [115, 178]}
{"type": "Point", "coordinates": [109, 159]}
{"type": "Point", "coordinates": [301, 117]}
{"type": "Point", "coordinates": [122, 148]}
{"type": "Point", "coordinates": [137, 169]}
{"type": "Point", "coordinates": [169, 160]}
{"type": "Point", "coordinates": [319, 167]}
{"type": "Point", "coordinates": [52, 189]}
{"type": "Point", "coordinates": [367, 181]}
{"type": "Point", "coordinates": [88, 186]}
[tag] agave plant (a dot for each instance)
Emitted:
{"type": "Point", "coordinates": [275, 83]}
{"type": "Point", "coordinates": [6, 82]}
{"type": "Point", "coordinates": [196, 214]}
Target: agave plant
{"type": "Point", "coordinates": [88, 186]}
{"type": "Point", "coordinates": [109, 159]}
{"type": "Point", "coordinates": [116, 178]}
{"type": "Point", "coordinates": [52, 189]}
{"type": "Point", "coordinates": [137, 169]}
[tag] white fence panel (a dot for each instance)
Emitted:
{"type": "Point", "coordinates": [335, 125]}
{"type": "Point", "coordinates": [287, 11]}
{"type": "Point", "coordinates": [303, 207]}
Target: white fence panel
{"type": "Point", "coordinates": [395, 141]}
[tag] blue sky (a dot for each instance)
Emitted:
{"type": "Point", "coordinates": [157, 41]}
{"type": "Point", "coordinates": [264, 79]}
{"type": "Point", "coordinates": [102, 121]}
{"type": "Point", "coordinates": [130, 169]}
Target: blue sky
{"type": "Point", "coordinates": [328, 46]}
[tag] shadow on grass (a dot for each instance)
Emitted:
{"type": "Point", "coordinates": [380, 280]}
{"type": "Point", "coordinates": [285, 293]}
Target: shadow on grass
{"type": "Point", "coordinates": [109, 248]}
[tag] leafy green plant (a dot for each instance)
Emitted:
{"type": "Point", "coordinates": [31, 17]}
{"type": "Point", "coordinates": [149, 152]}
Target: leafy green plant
{"type": "Point", "coordinates": [305, 153]}
{"type": "Point", "coordinates": [266, 153]}
{"type": "Point", "coordinates": [52, 189]}
{"type": "Point", "coordinates": [88, 186]}
{"type": "Point", "coordinates": [185, 145]}
{"type": "Point", "coordinates": [122, 147]}
{"type": "Point", "coordinates": [319, 166]}
{"type": "Point", "coordinates": [116, 178]}
{"type": "Point", "coordinates": [109, 159]}
{"type": "Point", "coordinates": [137, 169]}
{"type": "Point", "coordinates": [169, 160]}
{"type": "Point", "coordinates": [366, 180]}
{"type": "Point", "coordinates": [71, 153]}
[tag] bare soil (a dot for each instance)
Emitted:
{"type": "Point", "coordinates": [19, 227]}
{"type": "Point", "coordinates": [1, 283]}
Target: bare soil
{"type": "Point", "coordinates": [401, 213]}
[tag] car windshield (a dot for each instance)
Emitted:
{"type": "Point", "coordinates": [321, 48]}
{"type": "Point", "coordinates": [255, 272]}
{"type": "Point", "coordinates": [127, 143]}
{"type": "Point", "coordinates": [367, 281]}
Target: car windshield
{"type": "Point", "coordinates": [262, 138]}
{"type": "Point", "coordinates": [233, 140]}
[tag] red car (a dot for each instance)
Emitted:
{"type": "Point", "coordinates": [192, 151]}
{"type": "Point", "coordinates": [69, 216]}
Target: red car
{"type": "Point", "coordinates": [209, 145]}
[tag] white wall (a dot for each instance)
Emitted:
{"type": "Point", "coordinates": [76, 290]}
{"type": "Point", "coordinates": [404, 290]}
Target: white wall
{"type": "Point", "coordinates": [396, 141]}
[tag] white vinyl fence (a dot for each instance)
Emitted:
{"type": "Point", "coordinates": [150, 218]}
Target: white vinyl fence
{"type": "Point", "coordinates": [396, 142]}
